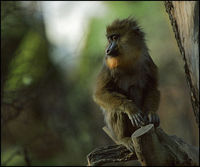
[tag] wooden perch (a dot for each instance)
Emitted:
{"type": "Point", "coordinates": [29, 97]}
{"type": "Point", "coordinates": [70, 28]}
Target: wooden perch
{"type": "Point", "coordinates": [155, 147]}
{"type": "Point", "coordinates": [152, 147]}
{"type": "Point", "coordinates": [114, 153]}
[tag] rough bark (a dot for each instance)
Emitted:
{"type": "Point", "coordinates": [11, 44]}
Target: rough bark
{"type": "Point", "coordinates": [184, 17]}
{"type": "Point", "coordinates": [108, 154]}
{"type": "Point", "coordinates": [152, 147]}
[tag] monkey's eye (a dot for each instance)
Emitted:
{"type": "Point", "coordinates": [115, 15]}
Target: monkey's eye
{"type": "Point", "coordinates": [114, 37]}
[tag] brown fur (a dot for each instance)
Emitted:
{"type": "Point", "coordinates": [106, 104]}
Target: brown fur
{"type": "Point", "coordinates": [127, 83]}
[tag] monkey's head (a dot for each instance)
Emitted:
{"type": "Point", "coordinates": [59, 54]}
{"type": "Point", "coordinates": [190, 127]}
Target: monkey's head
{"type": "Point", "coordinates": [125, 43]}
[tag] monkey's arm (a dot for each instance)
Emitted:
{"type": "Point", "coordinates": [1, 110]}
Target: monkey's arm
{"type": "Point", "coordinates": [151, 104]}
{"type": "Point", "coordinates": [113, 101]}
{"type": "Point", "coordinates": [152, 94]}
{"type": "Point", "coordinates": [104, 94]}
{"type": "Point", "coordinates": [152, 100]}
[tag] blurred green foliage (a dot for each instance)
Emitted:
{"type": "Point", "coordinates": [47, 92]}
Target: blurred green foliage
{"type": "Point", "coordinates": [50, 113]}
{"type": "Point", "coordinates": [22, 71]}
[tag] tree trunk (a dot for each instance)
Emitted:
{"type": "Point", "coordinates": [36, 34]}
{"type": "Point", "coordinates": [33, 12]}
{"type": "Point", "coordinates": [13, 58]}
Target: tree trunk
{"type": "Point", "coordinates": [184, 16]}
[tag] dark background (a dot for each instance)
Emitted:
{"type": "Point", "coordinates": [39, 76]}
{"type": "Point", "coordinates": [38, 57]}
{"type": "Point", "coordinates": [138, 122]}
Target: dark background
{"type": "Point", "coordinates": [51, 53]}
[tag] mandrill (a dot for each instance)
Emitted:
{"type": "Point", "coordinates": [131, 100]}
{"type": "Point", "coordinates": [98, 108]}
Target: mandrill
{"type": "Point", "coordinates": [126, 87]}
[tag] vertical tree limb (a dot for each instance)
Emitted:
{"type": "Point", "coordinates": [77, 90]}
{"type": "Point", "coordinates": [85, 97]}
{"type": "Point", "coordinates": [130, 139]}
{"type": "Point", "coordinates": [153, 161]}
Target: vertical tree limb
{"type": "Point", "coordinates": [184, 17]}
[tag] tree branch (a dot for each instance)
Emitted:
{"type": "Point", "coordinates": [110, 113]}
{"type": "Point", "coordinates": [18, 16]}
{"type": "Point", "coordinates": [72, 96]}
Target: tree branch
{"type": "Point", "coordinates": [107, 154]}
{"type": "Point", "coordinates": [184, 17]}
{"type": "Point", "coordinates": [152, 147]}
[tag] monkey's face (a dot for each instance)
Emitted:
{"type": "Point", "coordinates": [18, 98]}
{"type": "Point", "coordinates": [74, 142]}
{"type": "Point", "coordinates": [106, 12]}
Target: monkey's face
{"type": "Point", "coordinates": [124, 47]}
{"type": "Point", "coordinates": [121, 44]}
{"type": "Point", "coordinates": [113, 42]}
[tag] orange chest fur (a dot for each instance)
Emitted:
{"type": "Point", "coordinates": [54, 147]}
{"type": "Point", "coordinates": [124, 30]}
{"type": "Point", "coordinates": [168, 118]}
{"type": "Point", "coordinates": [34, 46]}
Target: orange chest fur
{"type": "Point", "coordinates": [112, 62]}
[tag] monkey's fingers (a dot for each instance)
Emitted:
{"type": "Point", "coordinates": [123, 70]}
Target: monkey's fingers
{"type": "Point", "coordinates": [132, 120]}
{"type": "Point", "coordinates": [157, 121]}
{"type": "Point", "coordinates": [150, 118]}
{"type": "Point", "coordinates": [154, 118]}
{"type": "Point", "coordinates": [131, 148]}
{"type": "Point", "coordinates": [140, 119]}
{"type": "Point", "coordinates": [141, 115]}
{"type": "Point", "coordinates": [145, 117]}
{"type": "Point", "coordinates": [135, 120]}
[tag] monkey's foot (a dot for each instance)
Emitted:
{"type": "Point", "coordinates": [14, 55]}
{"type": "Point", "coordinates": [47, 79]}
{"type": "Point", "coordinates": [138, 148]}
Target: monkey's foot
{"type": "Point", "coordinates": [127, 142]}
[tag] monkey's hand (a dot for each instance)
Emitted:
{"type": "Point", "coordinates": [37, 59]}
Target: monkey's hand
{"type": "Point", "coordinates": [135, 115]}
{"type": "Point", "coordinates": [153, 118]}
{"type": "Point", "coordinates": [137, 119]}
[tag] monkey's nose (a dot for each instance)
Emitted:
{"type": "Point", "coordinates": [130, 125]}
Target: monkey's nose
{"type": "Point", "coordinates": [112, 52]}
{"type": "Point", "coordinates": [112, 49]}
{"type": "Point", "coordinates": [108, 51]}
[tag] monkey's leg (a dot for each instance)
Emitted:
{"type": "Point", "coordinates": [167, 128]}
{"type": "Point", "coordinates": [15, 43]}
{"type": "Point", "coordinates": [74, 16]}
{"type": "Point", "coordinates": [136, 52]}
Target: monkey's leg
{"type": "Point", "coordinates": [127, 142]}
{"type": "Point", "coordinates": [123, 129]}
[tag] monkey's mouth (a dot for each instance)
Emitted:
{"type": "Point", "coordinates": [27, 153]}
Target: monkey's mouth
{"type": "Point", "coordinates": [114, 55]}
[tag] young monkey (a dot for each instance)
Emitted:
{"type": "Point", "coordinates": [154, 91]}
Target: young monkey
{"type": "Point", "coordinates": [126, 87]}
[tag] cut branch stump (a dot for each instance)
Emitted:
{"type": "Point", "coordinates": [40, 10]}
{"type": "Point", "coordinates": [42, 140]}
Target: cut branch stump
{"type": "Point", "coordinates": [152, 147]}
